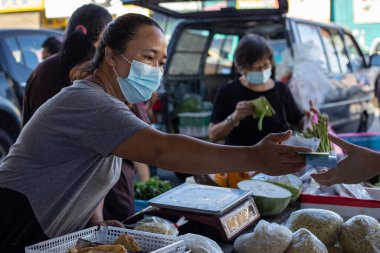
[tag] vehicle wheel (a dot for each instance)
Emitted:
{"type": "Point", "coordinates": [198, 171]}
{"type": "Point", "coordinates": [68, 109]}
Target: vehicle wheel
{"type": "Point", "coordinates": [363, 124]}
{"type": "Point", "coordinates": [5, 143]}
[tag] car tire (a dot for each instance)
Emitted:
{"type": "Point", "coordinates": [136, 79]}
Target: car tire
{"type": "Point", "coordinates": [5, 143]}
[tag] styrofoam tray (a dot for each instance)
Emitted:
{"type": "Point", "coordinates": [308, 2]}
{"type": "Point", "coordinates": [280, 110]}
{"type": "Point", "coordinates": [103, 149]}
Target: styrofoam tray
{"type": "Point", "coordinates": [154, 243]}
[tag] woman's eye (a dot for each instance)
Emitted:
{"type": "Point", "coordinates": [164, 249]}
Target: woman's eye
{"type": "Point", "coordinates": [149, 58]}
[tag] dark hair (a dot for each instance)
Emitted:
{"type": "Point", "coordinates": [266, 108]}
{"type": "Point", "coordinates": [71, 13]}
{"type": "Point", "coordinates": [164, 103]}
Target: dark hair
{"type": "Point", "coordinates": [250, 49]}
{"type": "Point", "coordinates": [52, 44]}
{"type": "Point", "coordinates": [117, 34]}
{"type": "Point", "coordinates": [83, 30]}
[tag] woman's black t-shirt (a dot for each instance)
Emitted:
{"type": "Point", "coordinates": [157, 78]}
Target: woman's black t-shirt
{"type": "Point", "coordinates": [247, 132]}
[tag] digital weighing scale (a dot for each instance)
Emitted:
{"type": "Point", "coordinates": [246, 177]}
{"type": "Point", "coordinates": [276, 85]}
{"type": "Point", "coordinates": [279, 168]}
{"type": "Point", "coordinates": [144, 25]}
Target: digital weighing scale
{"type": "Point", "coordinates": [209, 209]}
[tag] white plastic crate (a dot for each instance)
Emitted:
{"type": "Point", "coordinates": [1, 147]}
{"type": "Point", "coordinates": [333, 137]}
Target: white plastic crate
{"type": "Point", "coordinates": [154, 243]}
{"type": "Point", "coordinates": [194, 123]}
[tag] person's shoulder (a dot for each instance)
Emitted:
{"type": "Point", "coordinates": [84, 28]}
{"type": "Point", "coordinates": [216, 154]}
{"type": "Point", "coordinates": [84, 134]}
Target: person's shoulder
{"type": "Point", "coordinates": [49, 63]}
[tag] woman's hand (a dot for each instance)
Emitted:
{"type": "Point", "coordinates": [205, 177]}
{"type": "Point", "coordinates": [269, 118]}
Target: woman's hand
{"type": "Point", "coordinates": [313, 110]}
{"type": "Point", "coordinates": [276, 158]}
{"type": "Point", "coordinates": [359, 165]}
{"type": "Point", "coordinates": [242, 110]}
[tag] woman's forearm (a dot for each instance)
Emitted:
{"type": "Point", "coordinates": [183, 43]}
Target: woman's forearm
{"type": "Point", "coordinates": [219, 131]}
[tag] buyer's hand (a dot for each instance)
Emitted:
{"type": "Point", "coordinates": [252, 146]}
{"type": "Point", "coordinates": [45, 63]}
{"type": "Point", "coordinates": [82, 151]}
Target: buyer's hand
{"type": "Point", "coordinates": [242, 110]}
{"type": "Point", "coordinates": [359, 165]}
{"type": "Point", "coordinates": [312, 111]}
{"type": "Point", "coordinates": [279, 159]}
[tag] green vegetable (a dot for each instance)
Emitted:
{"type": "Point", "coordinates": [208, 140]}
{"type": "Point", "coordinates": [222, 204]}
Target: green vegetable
{"type": "Point", "coordinates": [320, 131]}
{"type": "Point", "coordinates": [262, 108]}
{"type": "Point", "coordinates": [151, 188]}
{"type": "Point", "coordinates": [270, 199]}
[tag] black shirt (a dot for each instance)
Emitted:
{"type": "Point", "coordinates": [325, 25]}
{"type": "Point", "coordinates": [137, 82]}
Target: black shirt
{"type": "Point", "coordinates": [247, 132]}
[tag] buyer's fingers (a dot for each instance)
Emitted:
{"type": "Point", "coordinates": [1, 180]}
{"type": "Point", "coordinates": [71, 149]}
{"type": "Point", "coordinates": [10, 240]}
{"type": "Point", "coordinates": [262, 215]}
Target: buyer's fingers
{"type": "Point", "coordinates": [348, 147]}
{"type": "Point", "coordinates": [328, 178]}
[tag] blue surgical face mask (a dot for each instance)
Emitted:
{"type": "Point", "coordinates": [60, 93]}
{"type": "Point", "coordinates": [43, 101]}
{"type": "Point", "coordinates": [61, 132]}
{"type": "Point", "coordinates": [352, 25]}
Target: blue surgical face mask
{"type": "Point", "coordinates": [141, 82]}
{"type": "Point", "coordinates": [258, 77]}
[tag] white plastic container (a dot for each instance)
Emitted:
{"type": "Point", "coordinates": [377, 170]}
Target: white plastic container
{"type": "Point", "coordinates": [155, 243]}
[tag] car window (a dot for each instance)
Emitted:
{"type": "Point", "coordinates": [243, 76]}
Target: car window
{"type": "Point", "coordinates": [278, 46]}
{"type": "Point", "coordinates": [309, 34]}
{"type": "Point", "coordinates": [14, 48]}
{"type": "Point", "coordinates": [221, 54]}
{"type": "Point", "coordinates": [26, 49]}
{"type": "Point", "coordinates": [188, 54]}
{"type": "Point", "coordinates": [31, 49]}
{"type": "Point", "coordinates": [340, 51]}
{"type": "Point", "coordinates": [356, 58]}
{"type": "Point", "coordinates": [331, 51]}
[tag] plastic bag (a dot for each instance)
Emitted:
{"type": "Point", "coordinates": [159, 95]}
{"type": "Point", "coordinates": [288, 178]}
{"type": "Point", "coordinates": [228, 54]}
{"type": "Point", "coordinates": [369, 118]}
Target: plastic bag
{"type": "Point", "coordinates": [322, 223]}
{"type": "Point", "coordinates": [266, 238]}
{"type": "Point", "coordinates": [304, 85]}
{"type": "Point", "coordinates": [352, 190]}
{"type": "Point", "coordinates": [159, 225]}
{"type": "Point", "coordinates": [200, 244]}
{"type": "Point", "coordinates": [304, 241]}
{"type": "Point", "coordinates": [360, 234]}
{"type": "Point", "coordinates": [297, 140]}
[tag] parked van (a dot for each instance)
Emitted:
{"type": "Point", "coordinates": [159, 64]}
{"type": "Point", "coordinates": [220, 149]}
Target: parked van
{"type": "Point", "coordinates": [20, 52]}
{"type": "Point", "coordinates": [201, 50]}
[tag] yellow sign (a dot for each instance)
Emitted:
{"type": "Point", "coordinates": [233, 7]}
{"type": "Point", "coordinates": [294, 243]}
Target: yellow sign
{"type": "Point", "coordinates": [21, 5]}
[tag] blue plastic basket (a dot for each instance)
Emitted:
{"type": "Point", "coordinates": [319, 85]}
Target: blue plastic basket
{"type": "Point", "coordinates": [368, 140]}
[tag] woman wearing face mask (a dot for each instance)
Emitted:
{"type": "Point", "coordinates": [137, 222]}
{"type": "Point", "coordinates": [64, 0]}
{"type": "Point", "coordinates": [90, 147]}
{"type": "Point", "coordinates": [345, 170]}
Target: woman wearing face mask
{"type": "Point", "coordinates": [232, 118]}
{"type": "Point", "coordinates": [68, 155]}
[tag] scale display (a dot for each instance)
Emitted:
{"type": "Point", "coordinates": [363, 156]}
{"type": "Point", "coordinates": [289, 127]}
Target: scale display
{"type": "Point", "coordinates": [238, 219]}
{"type": "Point", "coordinates": [200, 198]}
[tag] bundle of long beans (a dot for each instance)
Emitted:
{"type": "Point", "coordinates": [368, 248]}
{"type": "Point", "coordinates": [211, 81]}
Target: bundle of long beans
{"type": "Point", "coordinates": [319, 130]}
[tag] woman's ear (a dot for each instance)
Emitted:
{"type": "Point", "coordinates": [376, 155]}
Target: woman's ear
{"type": "Point", "coordinates": [110, 56]}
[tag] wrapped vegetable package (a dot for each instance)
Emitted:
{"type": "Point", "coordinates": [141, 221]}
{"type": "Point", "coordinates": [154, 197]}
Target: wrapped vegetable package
{"type": "Point", "coordinates": [304, 241]}
{"type": "Point", "coordinates": [266, 238]}
{"type": "Point", "coordinates": [157, 225]}
{"type": "Point", "coordinates": [200, 244]}
{"type": "Point", "coordinates": [335, 249]}
{"type": "Point", "coordinates": [360, 234]}
{"type": "Point", "coordinates": [324, 224]}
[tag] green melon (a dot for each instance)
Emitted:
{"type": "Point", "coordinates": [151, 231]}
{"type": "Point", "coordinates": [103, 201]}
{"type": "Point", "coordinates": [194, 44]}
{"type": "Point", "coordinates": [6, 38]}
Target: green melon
{"type": "Point", "coordinates": [270, 199]}
{"type": "Point", "coordinates": [290, 182]}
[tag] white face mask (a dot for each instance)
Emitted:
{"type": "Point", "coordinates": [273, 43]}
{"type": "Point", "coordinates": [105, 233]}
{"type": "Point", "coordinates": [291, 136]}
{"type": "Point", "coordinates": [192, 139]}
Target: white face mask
{"type": "Point", "coordinates": [258, 77]}
{"type": "Point", "coordinates": [141, 82]}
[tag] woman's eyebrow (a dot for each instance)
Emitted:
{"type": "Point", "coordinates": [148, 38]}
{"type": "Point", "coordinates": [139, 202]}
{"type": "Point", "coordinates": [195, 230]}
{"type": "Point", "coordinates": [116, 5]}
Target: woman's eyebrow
{"type": "Point", "coordinates": [154, 51]}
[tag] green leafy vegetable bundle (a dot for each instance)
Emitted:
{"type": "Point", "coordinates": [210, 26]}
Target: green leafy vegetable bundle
{"type": "Point", "coordinates": [319, 130]}
{"type": "Point", "coordinates": [151, 188]}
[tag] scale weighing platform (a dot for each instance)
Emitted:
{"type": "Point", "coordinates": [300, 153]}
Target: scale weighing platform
{"type": "Point", "coordinates": [210, 209]}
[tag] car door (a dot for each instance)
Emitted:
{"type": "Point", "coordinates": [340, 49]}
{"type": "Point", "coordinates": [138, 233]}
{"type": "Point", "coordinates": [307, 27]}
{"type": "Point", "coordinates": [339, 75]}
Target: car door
{"type": "Point", "coordinates": [349, 106]}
